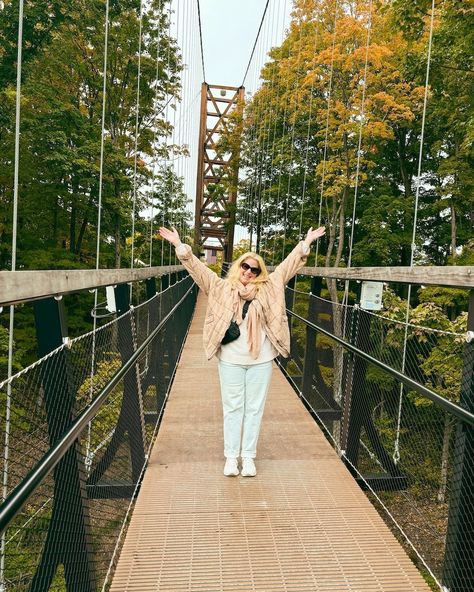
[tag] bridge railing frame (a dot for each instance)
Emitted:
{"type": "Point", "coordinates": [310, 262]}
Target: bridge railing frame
{"type": "Point", "coordinates": [458, 569]}
{"type": "Point", "coordinates": [63, 459]}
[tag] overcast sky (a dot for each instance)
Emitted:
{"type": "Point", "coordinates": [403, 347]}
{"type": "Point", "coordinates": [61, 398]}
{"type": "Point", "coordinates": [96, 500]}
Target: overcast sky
{"type": "Point", "coordinates": [229, 29]}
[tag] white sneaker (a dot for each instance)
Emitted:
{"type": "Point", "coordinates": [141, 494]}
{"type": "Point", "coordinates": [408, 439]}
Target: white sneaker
{"type": "Point", "coordinates": [230, 468]}
{"type": "Point", "coordinates": [248, 468]}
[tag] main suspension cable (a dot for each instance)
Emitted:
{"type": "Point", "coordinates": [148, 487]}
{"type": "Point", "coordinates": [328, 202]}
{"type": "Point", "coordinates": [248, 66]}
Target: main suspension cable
{"type": "Point", "coordinates": [200, 38]}
{"type": "Point", "coordinates": [255, 43]}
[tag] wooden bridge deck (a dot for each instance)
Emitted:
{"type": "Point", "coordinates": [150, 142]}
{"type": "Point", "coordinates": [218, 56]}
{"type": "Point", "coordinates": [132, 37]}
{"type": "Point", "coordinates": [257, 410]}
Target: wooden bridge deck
{"type": "Point", "coordinates": [301, 525]}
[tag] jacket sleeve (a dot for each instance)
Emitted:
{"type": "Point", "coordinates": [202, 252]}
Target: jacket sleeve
{"type": "Point", "coordinates": [292, 263]}
{"type": "Point", "coordinates": [204, 277]}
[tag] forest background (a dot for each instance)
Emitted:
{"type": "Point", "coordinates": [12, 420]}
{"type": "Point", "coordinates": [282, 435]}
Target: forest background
{"type": "Point", "coordinates": [334, 130]}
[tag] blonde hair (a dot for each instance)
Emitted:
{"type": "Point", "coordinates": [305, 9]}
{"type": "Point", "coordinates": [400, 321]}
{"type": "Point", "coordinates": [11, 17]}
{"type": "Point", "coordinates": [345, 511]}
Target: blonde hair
{"type": "Point", "coordinates": [233, 274]}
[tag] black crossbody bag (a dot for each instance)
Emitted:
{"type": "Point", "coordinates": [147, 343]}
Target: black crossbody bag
{"type": "Point", "coordinates": [233, 332]}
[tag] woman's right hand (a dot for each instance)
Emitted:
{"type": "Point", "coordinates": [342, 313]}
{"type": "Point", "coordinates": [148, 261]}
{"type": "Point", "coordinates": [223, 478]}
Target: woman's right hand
{"type": "Point", "coordinates": [171, 236]}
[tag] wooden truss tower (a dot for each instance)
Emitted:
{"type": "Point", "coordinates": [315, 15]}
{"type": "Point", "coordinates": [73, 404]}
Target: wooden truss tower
{"type": "Point", "coordinates": [217, 172]}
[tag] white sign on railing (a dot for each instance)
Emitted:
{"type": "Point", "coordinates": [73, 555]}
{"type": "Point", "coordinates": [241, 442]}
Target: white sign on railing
{"type": "Point", "coordinates": [371, 295]}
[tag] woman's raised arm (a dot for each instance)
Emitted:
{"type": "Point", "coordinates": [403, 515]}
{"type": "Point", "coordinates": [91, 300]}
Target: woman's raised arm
{"type": "Point", "coordinates": [172, 236]}
{"type": "Point", "coordinates": [204, 277]}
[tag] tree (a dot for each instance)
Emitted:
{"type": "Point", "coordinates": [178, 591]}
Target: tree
{"type": "Point", "coordinates": [61, 130]}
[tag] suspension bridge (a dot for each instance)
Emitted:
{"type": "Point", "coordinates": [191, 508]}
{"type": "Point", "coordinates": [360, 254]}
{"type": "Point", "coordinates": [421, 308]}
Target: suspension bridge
{"type": "Point", "coordinates": [112, 436]}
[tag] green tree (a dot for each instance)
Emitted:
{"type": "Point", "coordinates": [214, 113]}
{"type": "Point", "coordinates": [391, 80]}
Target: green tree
{"type": "Point", "coordinates": [61, 131]}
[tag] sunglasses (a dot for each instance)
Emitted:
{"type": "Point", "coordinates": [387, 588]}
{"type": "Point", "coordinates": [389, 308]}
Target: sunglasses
{"type": "Point", "coordinates": [254, 270]}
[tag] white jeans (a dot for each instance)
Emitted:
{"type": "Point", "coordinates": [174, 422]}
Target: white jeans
{"type": "Point", "coordinates": [243, 390]}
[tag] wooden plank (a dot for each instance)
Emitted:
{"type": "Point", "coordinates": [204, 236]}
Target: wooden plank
{"type": "Point", "coordinates": [219, 87]}
{"type": "Point", "coordinates": [456, 276]}
{"type": "Point", "coordinates": [22, 286]}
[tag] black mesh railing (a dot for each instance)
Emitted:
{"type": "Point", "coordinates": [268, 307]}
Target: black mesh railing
{"type": "Point", "coordinates": [78, 428]}
{"type": "Point", "coordinates": [397, 403]}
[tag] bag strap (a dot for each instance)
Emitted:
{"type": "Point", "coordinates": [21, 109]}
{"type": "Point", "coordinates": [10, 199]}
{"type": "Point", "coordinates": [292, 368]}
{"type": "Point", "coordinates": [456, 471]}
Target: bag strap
{"type": "Point", "coordinates": [245, 308]}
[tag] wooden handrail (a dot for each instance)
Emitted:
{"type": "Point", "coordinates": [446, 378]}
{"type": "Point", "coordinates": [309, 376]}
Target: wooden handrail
{"type": "Point", "coordinates": [22, 286]}
{"type": "Point", "coordinates": [461, 276]}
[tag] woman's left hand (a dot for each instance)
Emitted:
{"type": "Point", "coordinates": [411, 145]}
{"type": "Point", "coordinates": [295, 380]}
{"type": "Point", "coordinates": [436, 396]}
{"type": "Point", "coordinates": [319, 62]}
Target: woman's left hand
{"type": "Point", "coordinates": [313, 235]}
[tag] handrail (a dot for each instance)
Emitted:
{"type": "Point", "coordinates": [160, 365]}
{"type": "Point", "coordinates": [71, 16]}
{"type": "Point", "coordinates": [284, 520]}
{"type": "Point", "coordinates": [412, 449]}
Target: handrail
{"type": "Point", "coordinates": [454, 276]}
{"type": "Point", "coordinates": [447, 405]}
{"type": "Point", "coordinates": [22, 286]}
{"type": "Point", "coordinates": [20, 494]}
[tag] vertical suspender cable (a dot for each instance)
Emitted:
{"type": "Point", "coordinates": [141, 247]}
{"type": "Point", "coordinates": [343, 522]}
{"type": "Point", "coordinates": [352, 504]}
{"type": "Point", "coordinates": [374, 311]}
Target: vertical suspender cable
{"type": "Point", "coordinates": [173, 169]}
{"type": "Point", "coordinates": [137, 111]}
{"type": "Point", "coordinates": [359, 148]}
{"type": "Point", "coordinates": [292, 140]}
{"type": "Point", "coordinates": [326, 134]}
{"type": "Point", "coordinates": [155, 140]}
{"type": "Point", "coordinates": [272, 119]}
{"type": "Point", "coordinates": [166, 118]}
{"type": "Point", "coordinates": [99, 218]}
{"type": "Point", "coordinates": [260, 132]}
{"type": "Point", "coordinates": [253, 63]}
{"type": "Point", "coordinates": [257, 198]}
{"type": "Point", "coordinates": [251, 187]}
{"type": "Point", "coordinates": [281, 144]}
{"type": "Point", "coordinates": [396, 452]}
{"type": "Point", "coordinates": [283, 124]}
{"type": "Point", "coordinates": [13, 268]}
{"type": "Point", "coordinates": [102, 135]}
{"type": "Point", "coordinates": [310, 117]}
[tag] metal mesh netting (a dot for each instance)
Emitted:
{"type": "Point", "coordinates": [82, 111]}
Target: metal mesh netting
{"type": "Point", "coordinates": [414, 454]}
{"type": "Point", "coordinates": [70, 526]}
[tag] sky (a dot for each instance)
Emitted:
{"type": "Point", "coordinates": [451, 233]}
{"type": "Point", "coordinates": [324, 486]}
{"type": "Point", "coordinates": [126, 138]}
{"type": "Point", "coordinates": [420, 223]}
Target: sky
{"type": "Point", "coordinates": [229, 30]}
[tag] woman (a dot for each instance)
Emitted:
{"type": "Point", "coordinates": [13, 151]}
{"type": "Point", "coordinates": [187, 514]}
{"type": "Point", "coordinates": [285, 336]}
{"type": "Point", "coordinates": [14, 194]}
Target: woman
{"type": "Point", "coordinates": [245, 364]}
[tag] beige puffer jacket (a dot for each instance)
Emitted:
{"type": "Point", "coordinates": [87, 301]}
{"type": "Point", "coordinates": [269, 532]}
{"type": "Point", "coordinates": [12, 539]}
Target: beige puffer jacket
{"type": "Point", "coordinates": [271, 296]}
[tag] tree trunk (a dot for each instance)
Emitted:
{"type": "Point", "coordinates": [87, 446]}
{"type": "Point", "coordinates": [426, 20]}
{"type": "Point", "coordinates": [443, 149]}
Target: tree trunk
{"type": "Point", "coordinates": [448, 430]}
{"type": "Point", "coordinates": [82, 231]}
{"type": "Point", "coordinates": [117, 240]}
{"type": "Point", "coordinates": [55, 220]}
{"type": "Point", "coordinates": [72, 230]}
{"type": "Point", "coordinates": [406, 177]}
{"type": "Point", "coordinates": [453, 230]}
{"type": "Point", "coordinates": [405, 252]}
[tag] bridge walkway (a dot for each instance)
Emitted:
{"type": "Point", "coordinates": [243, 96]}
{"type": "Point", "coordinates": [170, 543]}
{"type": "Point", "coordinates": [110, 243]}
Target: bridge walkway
{"type": "Point", "coordinates": [301, 525]}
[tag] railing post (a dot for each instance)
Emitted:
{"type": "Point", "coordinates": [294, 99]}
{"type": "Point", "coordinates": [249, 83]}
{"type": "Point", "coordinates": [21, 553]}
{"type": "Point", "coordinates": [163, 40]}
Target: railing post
{"type": "Point", "coordinates": [357, 415]}
{"type": "Point", "coordinates": [69, 540]}
{"type": "Point", "coordinates": [225, 268]}
{"type": "Point", "coordinates": [155, 375]}
{"type": "Point", "coordinates": [458, 572]}
{"type": "Point", "coordinates": [352, 417]}
{"type": "Point", "coordinates": [153, 352]}
{"type": "Point", "coordinates": [310, 359]}
{"type": "Point", "coordinates": [132, 406]}
{"type": "Point", "coordinates": [150, 287]}
{"type": "Point", "coordinates": [165, 281]}
{"type": "Point", "coordinates": [289, 303]}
